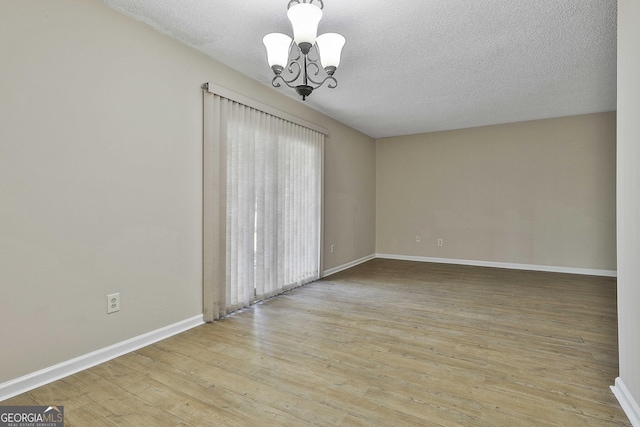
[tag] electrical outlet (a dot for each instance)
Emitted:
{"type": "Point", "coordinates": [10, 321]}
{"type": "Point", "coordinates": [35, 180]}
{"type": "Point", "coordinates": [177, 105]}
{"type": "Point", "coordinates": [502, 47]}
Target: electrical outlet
{"type": "Point", "coordinates": [417, 239]}
{"type": "Point", "coordinates": [113, 303]}
{"type": "Point", "coordinates": [440, 242]}
{"type": "Point", "coordinates": [332, 248]}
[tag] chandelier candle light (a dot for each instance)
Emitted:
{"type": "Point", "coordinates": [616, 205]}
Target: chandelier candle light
{"type": "Point", "coordinates": [300, 56]}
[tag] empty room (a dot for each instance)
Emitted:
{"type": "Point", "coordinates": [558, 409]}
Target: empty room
{"type": "Point", "coordinates": [291, 213]}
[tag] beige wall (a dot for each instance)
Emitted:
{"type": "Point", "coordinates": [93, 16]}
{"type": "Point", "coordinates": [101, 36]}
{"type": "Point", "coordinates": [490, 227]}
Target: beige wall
{"type": "Point", "coordinates": [629, 194]}
{"type": "Point", "coordinates": [537, 193]}
{"type": "Point", "coordinates": [351, 202]}
{"type": "Point", "coordinates": [101, 179]}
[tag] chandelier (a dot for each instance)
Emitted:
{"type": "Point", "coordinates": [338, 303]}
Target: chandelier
{"type": "Point", "coordinates": [300, 56]}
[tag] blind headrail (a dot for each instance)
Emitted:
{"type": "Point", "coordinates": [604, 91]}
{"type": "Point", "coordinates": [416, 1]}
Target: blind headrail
{"type": "Point", "coordinates": [222, 91]}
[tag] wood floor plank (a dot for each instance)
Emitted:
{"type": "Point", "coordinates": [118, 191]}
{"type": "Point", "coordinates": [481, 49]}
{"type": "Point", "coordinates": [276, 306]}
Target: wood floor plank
{"type": "Point", "coordinates": [88, 415]}
{"type": "Point", "coordinates": [228, 408]}
{"type": "Point", "coordinates": [385, 343]}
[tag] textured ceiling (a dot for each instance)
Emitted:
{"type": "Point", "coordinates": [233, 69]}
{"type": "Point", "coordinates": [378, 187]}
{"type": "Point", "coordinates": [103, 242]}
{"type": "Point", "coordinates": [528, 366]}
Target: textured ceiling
{"type": "Point", "coordinates": [423, 65]}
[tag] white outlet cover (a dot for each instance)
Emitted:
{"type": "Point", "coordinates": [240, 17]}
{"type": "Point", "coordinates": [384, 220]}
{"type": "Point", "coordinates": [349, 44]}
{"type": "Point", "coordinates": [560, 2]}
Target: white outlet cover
{"type": "Point", "coordinates": [113, 303]}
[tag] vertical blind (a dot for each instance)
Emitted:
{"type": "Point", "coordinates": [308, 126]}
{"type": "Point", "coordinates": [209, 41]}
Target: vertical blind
{"type": "Point", "coordinates": [263, 229]}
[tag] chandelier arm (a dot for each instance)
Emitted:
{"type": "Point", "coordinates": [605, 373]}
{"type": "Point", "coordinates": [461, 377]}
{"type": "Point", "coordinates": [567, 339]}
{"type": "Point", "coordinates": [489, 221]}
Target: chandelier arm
{"type": "Point", "coordinates": [296, 72]}
{"type": "Point", "coordinates": [294, 68]}
{"type": "Point", "coordinates": [277, 79]}
{"type": "Point", "coordinates": [331, 85]}
{"type": "Point", "coordinates": [331, 79]}
{"type": "Point", "coordinates": [275, 82]}
{"type": "Point", "coordinates": [315, 73]}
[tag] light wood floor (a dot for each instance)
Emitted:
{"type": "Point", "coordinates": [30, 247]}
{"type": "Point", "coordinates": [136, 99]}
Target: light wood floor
{"type": "Point", "coordinates": [387, 343]}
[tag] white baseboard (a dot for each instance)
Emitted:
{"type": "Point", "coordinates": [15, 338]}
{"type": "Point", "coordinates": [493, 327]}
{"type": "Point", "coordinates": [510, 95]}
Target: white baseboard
{"type": "Point", "coordinates": [45, 376]}
{"type": "Point", "coordinates": [629, 405]}
{"type": "Point", "coordinates": [342, 267]}
{"type": "Point", "coordinates": [532, 267]}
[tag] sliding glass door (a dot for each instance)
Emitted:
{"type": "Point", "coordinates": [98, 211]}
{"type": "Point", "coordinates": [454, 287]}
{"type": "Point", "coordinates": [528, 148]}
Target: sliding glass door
{"type": "Point", "coordinates": [270, 171]}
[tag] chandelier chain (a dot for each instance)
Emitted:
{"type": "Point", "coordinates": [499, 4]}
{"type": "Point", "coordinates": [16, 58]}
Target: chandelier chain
{"type": "Point", "coordinates": [306, 1]}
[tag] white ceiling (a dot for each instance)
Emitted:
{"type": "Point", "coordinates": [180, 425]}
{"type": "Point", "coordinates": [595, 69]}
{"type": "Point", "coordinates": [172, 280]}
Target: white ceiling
{"type": "Point", "coordinates": [422, 65]}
